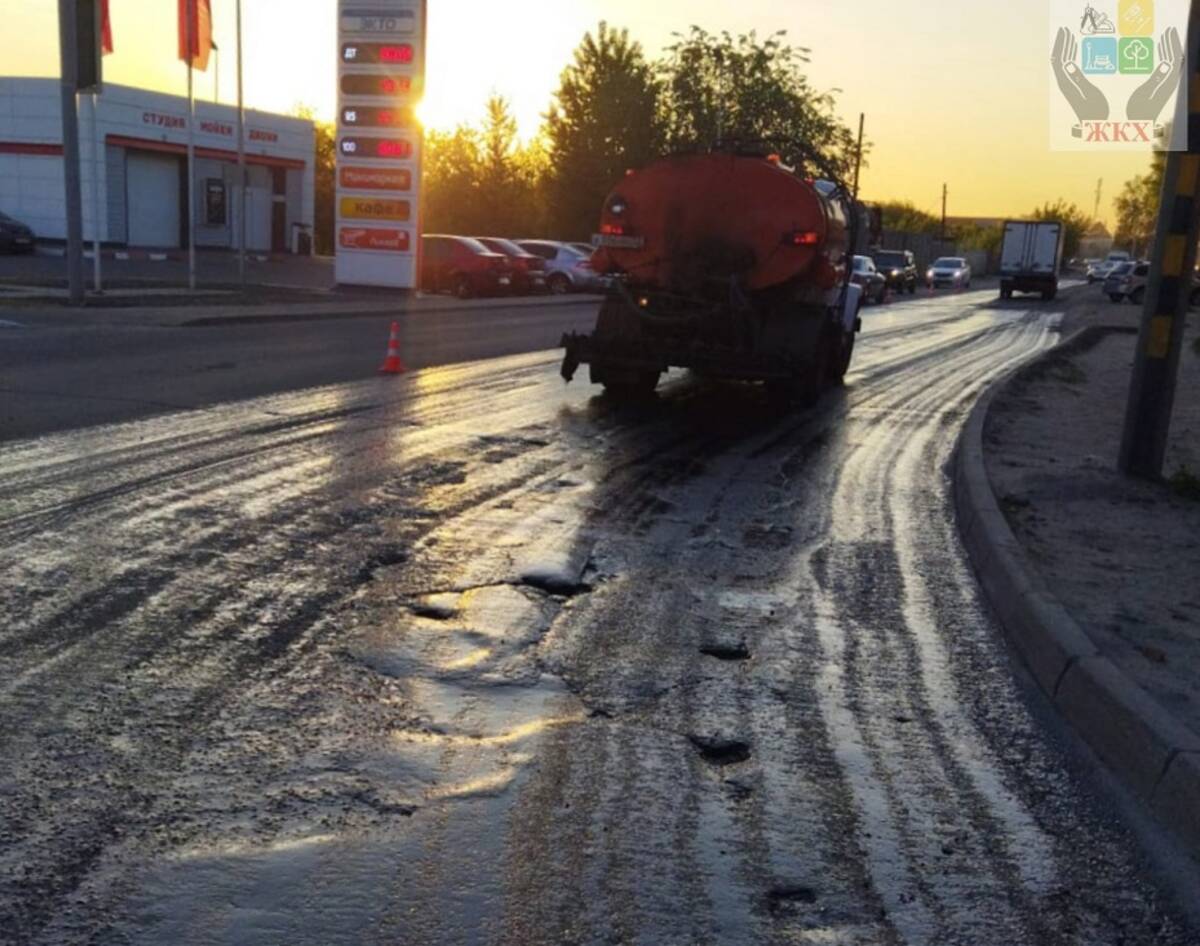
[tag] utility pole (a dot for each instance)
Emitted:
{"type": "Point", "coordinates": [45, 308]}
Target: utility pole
{"type": "Point", "coordinates": [68, 37]}
{"type": "Point", "coordinates": [1099, 194]}
{"type": "Point", "coordinates": [858, 155]}
{"type": "Point", "coordinates": [945, 196]}
{"type": "Point", "coordinates": [1160, 341]}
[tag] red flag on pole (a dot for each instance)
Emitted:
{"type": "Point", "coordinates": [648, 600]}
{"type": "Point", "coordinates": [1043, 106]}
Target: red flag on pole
{"type": "Point", "coordinates": [201, 32]}
{"type": "Point", "coordinates": [106, 42]}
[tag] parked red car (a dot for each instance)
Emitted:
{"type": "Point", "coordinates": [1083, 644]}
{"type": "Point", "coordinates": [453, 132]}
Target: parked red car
{"type": "Point", "coordinates": [529, 270]}
{"type": "Point", "coordinates": [464, 267]}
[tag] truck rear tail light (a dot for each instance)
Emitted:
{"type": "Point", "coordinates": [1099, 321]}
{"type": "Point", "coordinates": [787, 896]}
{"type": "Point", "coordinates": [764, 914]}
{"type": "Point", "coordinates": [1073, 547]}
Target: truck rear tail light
{"type": "Point", "coordinates": [612, 229]}
{"type": "Point", "coordinates": [803, 238]}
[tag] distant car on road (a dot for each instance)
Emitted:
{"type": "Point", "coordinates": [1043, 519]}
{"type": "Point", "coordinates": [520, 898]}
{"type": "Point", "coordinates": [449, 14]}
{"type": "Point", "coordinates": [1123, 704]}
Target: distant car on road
{"type": "Point", "coordinates": [1128, 281]}
{"type": "Point", "coordinates": [1103, 269]}
{"type": "Point", "coordinates": [568, 269]}
{"type": "Point", "coordinates": [463, 266]}
{"type": "Point", "coordinates": [874, 285]}
{"type": "Point", "coordinates": [529, 269]}
{"type": "Point", "coordinates": [15, 237]}
{"type": "Point", "coordinates": [949, 271]}
{"type": "Point", "coordinates": [899, 268]}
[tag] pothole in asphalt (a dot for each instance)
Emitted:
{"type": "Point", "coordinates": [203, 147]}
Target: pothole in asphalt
{"type": "Point", "coordinates": [384, 558]}
{"type": "Point", "coordinates": [555, 583]}
{"type": "Point", "coordinates": [726, 652]}
{"type": "Point", "coordinates": [721, 752]}
{"type": "Point", "coordinates": [782, 897]}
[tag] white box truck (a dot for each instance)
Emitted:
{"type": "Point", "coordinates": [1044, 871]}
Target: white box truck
{"type": "Point", "coordinates": [1030, 257]}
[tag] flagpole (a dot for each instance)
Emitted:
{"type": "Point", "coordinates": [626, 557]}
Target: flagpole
{"type": "Point", "coordinates": [241, 175]}
{"type": "Point", "coordinates": [191, 146]}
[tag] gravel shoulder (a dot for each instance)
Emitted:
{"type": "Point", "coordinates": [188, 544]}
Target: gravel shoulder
{"type": "Point", "coordinates": [1121, 555]}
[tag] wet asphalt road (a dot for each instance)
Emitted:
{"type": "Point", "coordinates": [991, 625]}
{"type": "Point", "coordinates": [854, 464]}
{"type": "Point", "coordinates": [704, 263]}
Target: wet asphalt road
{"type": "Point", "coordinates": [78, 369]}
{"type": "Point", "coordinates": [477, 658]}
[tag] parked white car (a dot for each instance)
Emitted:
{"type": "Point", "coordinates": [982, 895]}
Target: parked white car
{"type": "Point", "coordinates": [949, 271]}
{"type": "Point", "coordinates": [568, 268]}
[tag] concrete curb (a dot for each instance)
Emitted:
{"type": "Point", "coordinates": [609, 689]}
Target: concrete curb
{"type": "Point", "coordinates": [1152, 752]}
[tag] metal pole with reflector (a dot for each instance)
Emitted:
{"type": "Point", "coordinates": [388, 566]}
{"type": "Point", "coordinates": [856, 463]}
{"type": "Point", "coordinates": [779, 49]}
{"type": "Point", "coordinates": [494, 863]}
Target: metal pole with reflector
{"type": "Point", "coordinates": [1160, 340]}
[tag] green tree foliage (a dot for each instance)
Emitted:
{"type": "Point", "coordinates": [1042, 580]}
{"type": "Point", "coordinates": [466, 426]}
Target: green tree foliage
{"type": "Point", "coordinates": [738, 89]}
{"type": "Point", "coordinates": [908, 218]}
{"type": "Point", "coordinates": [604, 120]}
{"type": "Point", "coordinates": [1137, 208]}
{"type": "Point", "coordinates": [975, 236]}
{"type": "Point", "coordinates": [613, 110]}
{"type": "Point", "coordinates": [325, 180]}
{"type": "Point", "coordinates": [482, 181]}
{"type": "Point", "coordinates": [1075, 223]}
{"type": "Point", "coordinates": [452, 162]}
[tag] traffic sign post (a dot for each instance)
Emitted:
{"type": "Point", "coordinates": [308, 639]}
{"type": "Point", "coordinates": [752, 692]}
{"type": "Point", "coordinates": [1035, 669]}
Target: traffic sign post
{"type": "Point", "coordinates": [381, 76]}
{"type": "Point", "coordinates": [1160, 341]}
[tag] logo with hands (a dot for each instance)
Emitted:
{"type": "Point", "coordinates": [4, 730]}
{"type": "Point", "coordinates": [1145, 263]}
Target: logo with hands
{"type": "Point", "coordinates": [1152, 96]}
{"type": "Point", "coordinates": [1136, 57]}
{"type": "Point", "coordinates": [1087, 101]}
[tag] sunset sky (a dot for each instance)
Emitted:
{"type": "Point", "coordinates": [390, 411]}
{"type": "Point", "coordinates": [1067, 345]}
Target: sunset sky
{"type": "Point", "coordinates": [954, 91]}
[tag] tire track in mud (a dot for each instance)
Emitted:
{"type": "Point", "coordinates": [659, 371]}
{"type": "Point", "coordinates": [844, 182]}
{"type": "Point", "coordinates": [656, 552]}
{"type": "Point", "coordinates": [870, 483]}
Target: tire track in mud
{"type": "Point", "coordinates": [715, 476]}
{"type": "Point", "coordinates": [786, 899]}
{"type": "Point", "coordinates": [888, 705]}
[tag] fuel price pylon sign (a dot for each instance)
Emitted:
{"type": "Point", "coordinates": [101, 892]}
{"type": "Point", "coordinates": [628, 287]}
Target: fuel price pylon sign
{"type": "Point", "coordinates": [381, 77]}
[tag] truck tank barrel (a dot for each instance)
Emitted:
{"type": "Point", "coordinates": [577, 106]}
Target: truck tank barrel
{"type": "Point", "coordinates": [691, 223]}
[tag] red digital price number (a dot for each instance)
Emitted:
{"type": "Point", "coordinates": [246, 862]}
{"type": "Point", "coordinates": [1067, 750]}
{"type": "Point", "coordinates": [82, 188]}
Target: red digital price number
{"type": "Point", "coordinates": [376, 85]}
{"type": "Point", "coordinates": [376, 148]}
{"type": "Point", "coordinates": [397, 53]}
{"type": "Point", "coordinates": [377, 117]}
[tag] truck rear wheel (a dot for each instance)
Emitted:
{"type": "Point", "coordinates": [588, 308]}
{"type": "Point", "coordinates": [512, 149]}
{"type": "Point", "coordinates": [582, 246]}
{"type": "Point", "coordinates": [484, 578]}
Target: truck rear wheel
{"type": "Point", "coordinates": [804, 389]}
{"type": "Point", "coordinates": [840, 359]}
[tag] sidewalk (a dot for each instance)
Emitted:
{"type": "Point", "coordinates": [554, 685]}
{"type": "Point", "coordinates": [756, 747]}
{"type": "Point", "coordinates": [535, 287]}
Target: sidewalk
{"type": "Point", "coordinates": [1096, 577]}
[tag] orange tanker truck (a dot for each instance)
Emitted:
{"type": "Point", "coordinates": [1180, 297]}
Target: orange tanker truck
{"type": "Point", "coordinates": [729, 264]}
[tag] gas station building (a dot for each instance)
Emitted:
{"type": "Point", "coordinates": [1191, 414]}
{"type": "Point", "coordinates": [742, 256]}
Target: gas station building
{"type": "Point", "coordinates": [133, 147]}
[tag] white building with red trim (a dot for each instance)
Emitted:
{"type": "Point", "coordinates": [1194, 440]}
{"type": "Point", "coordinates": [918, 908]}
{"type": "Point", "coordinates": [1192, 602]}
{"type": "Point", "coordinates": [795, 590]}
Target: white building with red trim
{"type": "Point", "coordinates": [134, 150]}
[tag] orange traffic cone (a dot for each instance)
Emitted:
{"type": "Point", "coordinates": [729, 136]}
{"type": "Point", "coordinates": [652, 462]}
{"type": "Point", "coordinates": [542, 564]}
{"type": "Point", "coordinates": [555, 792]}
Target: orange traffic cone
{"type": "Point", "coordinates": [392, 364]}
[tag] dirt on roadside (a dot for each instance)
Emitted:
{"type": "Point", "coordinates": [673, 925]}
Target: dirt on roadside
{"type": "Point", "coordinates": [1122, 555]}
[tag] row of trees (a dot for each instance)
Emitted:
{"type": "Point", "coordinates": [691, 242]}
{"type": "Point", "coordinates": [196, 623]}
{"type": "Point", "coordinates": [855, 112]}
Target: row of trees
{"type": "Point", "coordinates": [614, 109]}
{"type": "Point", "coordinates": [906, 217]}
